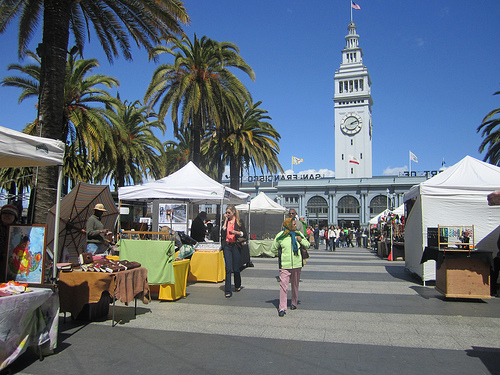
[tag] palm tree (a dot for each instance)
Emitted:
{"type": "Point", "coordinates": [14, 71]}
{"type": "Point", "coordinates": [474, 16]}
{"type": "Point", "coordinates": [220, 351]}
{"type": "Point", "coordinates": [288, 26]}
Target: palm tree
{"type": "Point", "coordinates": [251, 141]}
{"type": "Point", "coordinates": [177, 154]}
{"type": "Point", "coordinates": [85, 128]}
{"type": "Point", "coordinates": [135, 151]}
{"type": "Point", "coordinates": [146, 21]}
{"type": "Point", "coordinates": [198, 84]}
{"type": "Point", "coordinates": [491, 131]}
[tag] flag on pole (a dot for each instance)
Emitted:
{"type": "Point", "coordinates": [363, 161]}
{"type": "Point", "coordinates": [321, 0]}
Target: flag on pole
{"type": "Point", "coordinates": [296, 161]}
{"type": "Point", "coordinates": [353, 160]}
{"type": "Point", "coordinates": [413, 157]}
{"type": "Point", "coordinates": [355, 6]}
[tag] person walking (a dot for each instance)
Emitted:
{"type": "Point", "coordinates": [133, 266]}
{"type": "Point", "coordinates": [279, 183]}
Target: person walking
{"type": "Point", "coordinates": [331, 237]}
{"type": "Point", "coordinates": [316, 232]}
{"type": "Point", "coordinates": [337, 236]}
{"type": "Point", "coordinates": [287, 244]}
{"type": "Point", "coordinates": [233, 235]}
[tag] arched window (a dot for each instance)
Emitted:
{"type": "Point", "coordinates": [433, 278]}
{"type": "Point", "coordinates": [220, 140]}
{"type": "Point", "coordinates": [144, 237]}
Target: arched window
{"type": "Point", "coordinates": [317, 205]}
{"type": "Point", "coordinates": [348, 205]}
{"type": "Point", "coordinates": [378, 204]}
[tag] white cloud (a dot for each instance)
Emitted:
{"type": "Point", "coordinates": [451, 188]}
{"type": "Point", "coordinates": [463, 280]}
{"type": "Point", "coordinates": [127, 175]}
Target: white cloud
{"type": "Point", "coordinates": [394, 171]}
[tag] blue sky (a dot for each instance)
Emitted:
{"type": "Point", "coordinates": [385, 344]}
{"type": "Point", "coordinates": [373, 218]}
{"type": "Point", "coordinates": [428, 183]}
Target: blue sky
{"type": "Point", "coordinates": [433, 66]}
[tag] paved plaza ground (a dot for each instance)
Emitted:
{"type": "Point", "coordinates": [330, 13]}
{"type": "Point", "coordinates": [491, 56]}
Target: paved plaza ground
{"type": "Point", "coordinates": [357, 314]}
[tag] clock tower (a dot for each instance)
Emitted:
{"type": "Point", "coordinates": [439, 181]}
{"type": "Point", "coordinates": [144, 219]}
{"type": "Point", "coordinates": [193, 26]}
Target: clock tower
{"type": "Point", "coordinates": [353, 114]}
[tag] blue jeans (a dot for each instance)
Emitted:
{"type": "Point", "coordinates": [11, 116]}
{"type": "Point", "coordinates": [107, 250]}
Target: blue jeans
{"type": "Point", "coordinates": [332, 244]}
{"type": "Point", "coordinates": [232, 258]}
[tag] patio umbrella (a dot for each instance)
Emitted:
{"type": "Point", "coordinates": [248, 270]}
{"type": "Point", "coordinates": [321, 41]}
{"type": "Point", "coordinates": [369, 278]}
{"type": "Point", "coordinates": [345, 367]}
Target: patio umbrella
{"type": "Point", "coordinates": [76, 208]}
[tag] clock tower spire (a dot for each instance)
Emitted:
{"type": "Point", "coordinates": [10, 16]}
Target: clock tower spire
{"type": "Point", "coordinates": [353, 115]}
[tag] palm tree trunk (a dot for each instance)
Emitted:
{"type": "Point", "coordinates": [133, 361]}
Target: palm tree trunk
{"type": "Point", "coordinates": [234, 172]}
{"type": "Point", "coordinates": [50, 122]}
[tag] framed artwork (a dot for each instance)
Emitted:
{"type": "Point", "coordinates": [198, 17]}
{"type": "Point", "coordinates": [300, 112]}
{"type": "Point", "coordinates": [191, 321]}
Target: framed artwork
{"type": "Point", "coordinates": [172, 214]}
{"type": "Point", "coordinates": [26, 253]}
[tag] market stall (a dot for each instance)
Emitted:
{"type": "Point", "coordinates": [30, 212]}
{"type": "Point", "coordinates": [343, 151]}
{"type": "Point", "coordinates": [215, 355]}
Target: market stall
{"type": "Point", "coordinates": [23, 150]}
{"type": "Point", "coordinates": [455, 197]}
{"type": "Point", "coordinates": [265, 219]}
{"type": "Point", "coordinates": [189, 185]}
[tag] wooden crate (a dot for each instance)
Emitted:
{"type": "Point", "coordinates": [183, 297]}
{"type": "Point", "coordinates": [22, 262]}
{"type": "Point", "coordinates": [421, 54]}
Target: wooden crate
{"type": "Point", "coordinates": [463, 278]}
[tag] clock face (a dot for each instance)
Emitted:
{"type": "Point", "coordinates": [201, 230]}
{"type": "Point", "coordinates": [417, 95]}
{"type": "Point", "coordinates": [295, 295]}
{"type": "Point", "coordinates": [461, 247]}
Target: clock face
{"type": "Point", "coordinates": [351, 124]}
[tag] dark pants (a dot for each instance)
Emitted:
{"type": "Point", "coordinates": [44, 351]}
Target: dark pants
{"type": "Point", "coordinates": [232, 262]}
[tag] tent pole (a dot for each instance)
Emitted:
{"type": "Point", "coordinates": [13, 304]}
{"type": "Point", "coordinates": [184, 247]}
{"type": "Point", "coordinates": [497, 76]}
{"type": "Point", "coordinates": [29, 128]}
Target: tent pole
{"type": "Point", "coordinates": [56, 225]}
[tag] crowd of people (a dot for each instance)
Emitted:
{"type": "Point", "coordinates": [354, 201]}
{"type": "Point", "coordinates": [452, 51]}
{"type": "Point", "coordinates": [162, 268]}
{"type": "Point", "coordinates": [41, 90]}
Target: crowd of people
{"type": "Point", "coordinates": [336, 237]}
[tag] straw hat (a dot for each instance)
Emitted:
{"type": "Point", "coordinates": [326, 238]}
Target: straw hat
{"type": "Point", "coordinates": [99, 207]}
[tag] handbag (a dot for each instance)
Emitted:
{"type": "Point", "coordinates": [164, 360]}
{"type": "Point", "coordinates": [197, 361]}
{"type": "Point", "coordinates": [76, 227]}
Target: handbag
{"type": "Point", "coordinates": [303, 252]}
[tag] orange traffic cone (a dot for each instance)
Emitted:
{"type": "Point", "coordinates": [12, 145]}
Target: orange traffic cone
{"type": "Point", "coordinates": [390, 256]}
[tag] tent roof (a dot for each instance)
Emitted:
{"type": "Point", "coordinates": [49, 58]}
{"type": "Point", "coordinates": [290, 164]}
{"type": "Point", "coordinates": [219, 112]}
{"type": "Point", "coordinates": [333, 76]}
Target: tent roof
{"type": "Point", "coordinates": [397, 211]}
{"type": "Point", "coordinates": [262, 204]}
{"type": "Point", "coordinates": [187, 184]}
{"type": "Point", "coordinates": [23, 150]}
{"type": "Point", "coordinates": [468, 176]}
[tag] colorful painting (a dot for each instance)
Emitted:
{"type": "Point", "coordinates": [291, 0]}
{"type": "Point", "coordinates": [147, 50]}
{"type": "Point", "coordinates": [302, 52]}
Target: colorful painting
{"type": "Point", "coordinates": [25, 253]}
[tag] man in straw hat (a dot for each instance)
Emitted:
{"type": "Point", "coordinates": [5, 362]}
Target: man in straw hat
{"type": "Point", "coordinates": [96, 243]}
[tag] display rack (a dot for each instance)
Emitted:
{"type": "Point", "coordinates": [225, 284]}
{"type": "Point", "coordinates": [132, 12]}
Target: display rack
{"type": "Point", "coordinates": [456, 237]}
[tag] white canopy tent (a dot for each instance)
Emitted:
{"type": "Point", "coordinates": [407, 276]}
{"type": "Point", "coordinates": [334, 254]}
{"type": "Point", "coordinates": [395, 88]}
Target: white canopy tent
{"type": "Point", "coordinates": [270, 214]}
{"type": "Point", "coordinates": [187, 185]}
{"type": "Point", "coordinates": [23, 150]}
{"type": "Point", "coordinates": [398, 211]}
{"type": "Point", "coordinates": [455, 197]}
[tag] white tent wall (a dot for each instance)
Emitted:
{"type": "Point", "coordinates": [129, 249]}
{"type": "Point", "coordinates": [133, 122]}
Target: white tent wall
{"type": "Point", "coordinates": [456, 210]}
{"type": "Point", "coordinates": [414, 240]}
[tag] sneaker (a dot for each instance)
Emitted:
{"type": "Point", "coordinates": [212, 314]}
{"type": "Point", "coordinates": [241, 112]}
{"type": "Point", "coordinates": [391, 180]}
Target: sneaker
{"type": "Point", "coordinates": [281, 313]}
{"type": "Point", "coordinates": [293, 307]}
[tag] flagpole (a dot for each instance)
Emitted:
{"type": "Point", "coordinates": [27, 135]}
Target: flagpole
{"type": "Point", "coordinates": [292, 164]}
{"type": "Point", "coordinates": [410, 162]}
{"type": "Point", "coordinates": [350, 6]}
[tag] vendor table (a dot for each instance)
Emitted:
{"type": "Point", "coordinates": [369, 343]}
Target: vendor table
{"type": "Point", "coordinates": [461, 273]}
{"type": "Point", "coordinates": [172, 292]}
{"type": "Point", "coordinates": [155, 255]}
{"type": "Point", "coordinates": [259, 247]}
{"type": "Point", "coordinates": [78, 288]}
{"type": "Point", "coordinates": [207, 266]}
{"type": "Point", "coordinates": [27, 319]}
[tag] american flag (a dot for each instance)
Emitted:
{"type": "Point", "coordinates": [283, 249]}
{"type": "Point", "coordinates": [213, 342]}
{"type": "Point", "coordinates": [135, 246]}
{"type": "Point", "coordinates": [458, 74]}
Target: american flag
{"type": "Point", "coordinates": [355, 6]}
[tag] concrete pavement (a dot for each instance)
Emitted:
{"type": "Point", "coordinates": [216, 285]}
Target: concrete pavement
{"type": "Point", "coordinates": [357, 314]}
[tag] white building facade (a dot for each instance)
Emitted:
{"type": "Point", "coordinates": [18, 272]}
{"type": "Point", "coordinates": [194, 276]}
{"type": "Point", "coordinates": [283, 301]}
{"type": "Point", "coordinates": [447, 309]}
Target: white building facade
{"type": "Point", "coordinates": [354, 196]}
